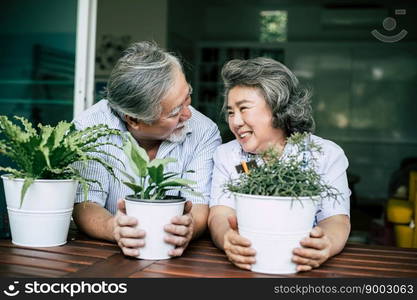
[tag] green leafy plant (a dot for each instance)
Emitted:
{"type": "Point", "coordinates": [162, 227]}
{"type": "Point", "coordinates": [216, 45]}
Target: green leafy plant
{"type": "Point", "coordinates": [289, 177]}
{"type": "Point", "coordinates": [49, 152]}
{"type": "Point", "coordinates": [151, 182]}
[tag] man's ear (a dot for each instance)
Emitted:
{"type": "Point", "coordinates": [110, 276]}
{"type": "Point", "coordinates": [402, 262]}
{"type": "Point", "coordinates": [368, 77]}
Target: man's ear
{"type": "Point", "coordinates": [133, 122]}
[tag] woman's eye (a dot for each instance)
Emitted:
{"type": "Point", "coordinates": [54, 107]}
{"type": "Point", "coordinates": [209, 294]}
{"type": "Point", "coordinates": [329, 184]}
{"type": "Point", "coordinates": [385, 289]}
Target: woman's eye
{"type": "Point", "coordinates": [230, 113]}
{"type": "Point", "coordinates": [243, 108]}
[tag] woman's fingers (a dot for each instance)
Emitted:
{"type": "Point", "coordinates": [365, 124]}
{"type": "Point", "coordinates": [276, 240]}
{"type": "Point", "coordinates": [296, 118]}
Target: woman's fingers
{"type": "Point", "coordinates": [236, 258]}
{"type": "Point", "coordinates": [304, 268]}
{"type": "Point", "coordinates": [304, 261]}
{"type": "Point", "coordinates": [237, 249]}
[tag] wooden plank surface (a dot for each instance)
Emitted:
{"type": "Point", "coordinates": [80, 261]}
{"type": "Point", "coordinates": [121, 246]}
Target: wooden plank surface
{"type": "Point", "coordinates": [60, 261]}
{"type": "Point", "coordinates": [8, 270]}
{"type": "Point", "coordinates": [76, 259]}
{"type": "Point", "coordinates": [84, 257]}
{"type": "Point", "coordinates": [203, 260]}
{"type": "Point", "coordinates": [116, 266]}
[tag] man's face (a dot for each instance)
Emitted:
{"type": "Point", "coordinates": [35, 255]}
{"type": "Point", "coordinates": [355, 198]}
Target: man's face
{"type": "Point", "coordinates": [175, 113]}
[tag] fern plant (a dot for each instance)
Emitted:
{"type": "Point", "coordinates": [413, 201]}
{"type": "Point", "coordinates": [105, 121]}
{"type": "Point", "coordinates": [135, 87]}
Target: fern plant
{"type": "Point", "coordinates": [289, 177]}
{"type": "Point", "coordinates": [151, 182]}
{"type": "Point", "coordinates": [49, 152]}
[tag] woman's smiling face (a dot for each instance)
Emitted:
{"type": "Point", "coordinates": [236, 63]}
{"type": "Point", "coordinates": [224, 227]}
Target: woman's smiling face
{"type": "Point", "coordinates": [250, 120]}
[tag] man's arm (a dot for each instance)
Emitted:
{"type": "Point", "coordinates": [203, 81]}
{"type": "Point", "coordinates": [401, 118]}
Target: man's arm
{"type": "Point", "coordinates": [199, 213]}
{"type": "Point", "coordinates": [97, 222]}
{"type": "Point", "coordinates": [94, 220]}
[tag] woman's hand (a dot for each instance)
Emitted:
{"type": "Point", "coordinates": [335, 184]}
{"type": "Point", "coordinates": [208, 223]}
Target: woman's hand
{"type": "Point", "coordinates": [237, 247]}
{"type": "Point", "coordinates": [314, 252]}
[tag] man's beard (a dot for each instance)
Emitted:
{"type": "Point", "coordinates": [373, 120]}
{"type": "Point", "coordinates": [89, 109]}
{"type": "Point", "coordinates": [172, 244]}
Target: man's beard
{"type": "Point", "coordinates": [178, 136]}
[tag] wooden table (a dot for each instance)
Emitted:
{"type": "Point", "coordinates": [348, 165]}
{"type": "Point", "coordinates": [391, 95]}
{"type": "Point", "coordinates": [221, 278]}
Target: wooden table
{"type": "Point", "coordinates": [84, 257]}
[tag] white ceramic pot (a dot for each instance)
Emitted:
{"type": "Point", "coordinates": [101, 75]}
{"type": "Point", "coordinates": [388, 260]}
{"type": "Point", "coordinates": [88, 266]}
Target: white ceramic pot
{"type": "Point", "coordinates": [152, 217]}
{"type": "Point", "coordinates": [43, 219]}
{"type": "Point", "coordinates": [275, 226]}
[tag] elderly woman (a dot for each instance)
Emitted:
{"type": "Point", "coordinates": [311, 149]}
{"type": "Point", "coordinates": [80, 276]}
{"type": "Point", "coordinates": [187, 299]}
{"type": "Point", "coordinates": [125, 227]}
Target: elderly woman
{"type": "Point", "coordinates": [265, 105]}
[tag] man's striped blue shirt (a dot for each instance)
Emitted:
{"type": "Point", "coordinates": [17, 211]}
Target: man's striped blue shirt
{"type": "Point", "coordinates": [194, 153]}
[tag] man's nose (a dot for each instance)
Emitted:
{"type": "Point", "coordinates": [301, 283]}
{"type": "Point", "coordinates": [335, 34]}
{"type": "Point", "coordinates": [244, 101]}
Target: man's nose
{"type": "Point", "coordinates": [185, 114]}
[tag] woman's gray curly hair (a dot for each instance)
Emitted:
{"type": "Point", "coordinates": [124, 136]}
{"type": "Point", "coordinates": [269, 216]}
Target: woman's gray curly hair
{"type": "Point", "coordinates": [140, 79]}
{"type": "Point", "coordinates": [290, 104]}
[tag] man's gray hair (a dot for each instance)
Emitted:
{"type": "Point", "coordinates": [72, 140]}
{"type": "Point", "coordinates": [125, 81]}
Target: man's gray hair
{"type": "Point", "coordinates": [140, 79]}
{"type": "Point", "coordinates": [290, 104]}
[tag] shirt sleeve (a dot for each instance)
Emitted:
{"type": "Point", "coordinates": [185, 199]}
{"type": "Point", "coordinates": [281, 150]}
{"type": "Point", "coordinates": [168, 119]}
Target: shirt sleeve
{"type": "Point", "coordinates": [334, 174]}
{"type": "Point", "coordinates": [219, 195]}
{"type": "Point", "coordinates": [202, 164]}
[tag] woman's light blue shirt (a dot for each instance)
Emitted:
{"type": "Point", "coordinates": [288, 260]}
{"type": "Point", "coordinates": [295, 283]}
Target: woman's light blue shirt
{"type": "Point", "coordinates": [331, 163]}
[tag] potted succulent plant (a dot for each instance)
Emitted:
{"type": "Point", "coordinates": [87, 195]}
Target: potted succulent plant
{"type": "Point", "coordinates": [150, 203]}
{"type": "Point", "coordinates": [40, 187]}
{"type": "Point", "coordinates": [276, 202]}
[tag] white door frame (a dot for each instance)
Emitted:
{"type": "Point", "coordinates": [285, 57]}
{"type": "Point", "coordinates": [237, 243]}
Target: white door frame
{"type": "Point", "coordinates": [85, 55]}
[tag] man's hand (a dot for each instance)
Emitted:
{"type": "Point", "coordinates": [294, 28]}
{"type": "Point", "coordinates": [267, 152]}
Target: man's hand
{"type": "Point", "coordinates": [315, 251]}
{"type": "Point", "coordinates": [237, 247]}
{"type": "Point", "coordinates": [125, 231]}
{"type": "Point", "coordinates": [180, 231]}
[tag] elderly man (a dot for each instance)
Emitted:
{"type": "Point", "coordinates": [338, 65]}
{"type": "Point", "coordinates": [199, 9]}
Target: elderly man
{"type": "Point", "coordinates": [148, 95]}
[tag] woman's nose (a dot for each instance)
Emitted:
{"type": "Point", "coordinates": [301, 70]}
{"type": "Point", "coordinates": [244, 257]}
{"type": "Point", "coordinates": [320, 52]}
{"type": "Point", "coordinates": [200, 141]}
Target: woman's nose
{"type": "Point", "coordinates": [237, 120]}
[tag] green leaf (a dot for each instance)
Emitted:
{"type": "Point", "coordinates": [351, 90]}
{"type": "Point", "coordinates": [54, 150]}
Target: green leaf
{"type": "Point", "coordinates": [26, 184]}
{"type": "Point", "coordinates": [14, 172]}
{"type": "Point", "coordinates": [169, 175]}
{"type": "Point", "coordinates": [161, 161]}
{"type": "Point", "coordinates": [156, 173]}
{"type": "Point", "coordinates": [150, 191]}
{"type": "Point", "coordinates": [45, 146]}
{"type": "Point", "coordinates": [178, 182]}
{"type": "Point", "coordinates": [131, 178]}
{"type": "Point", "coordinates": [192, 192]}
{"type": "Point", "coordinates": [137, 156]}
{"type": "Point", "coordinates": [185, 189]}
{"type": "Point", "coordinates": [84, 187]}
{"type": "Point", "coordinates": [60, 132]}
{"type": "Point", "coordinates": [136, 188]}
{"type": "Point", "coordinates": [27, 125]}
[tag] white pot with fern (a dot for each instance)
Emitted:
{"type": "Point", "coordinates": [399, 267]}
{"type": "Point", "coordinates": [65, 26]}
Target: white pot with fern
{"type": "Point", "coordinates": [40, 185]}
{"type": "Point", "coordinates": [276, 203]}
{"type": "Point", "coordinates": [149, 203]}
